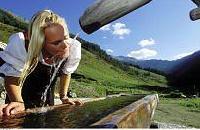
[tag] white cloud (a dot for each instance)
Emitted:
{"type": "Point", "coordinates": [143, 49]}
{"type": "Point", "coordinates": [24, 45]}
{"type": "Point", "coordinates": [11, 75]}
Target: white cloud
{"type": "Point", "coordinates": [120, 29]}
{"type": "Point", "coordinates": [179, 56]}
{"type": "Point", "coordinates": [121, 37]}
{"type": "Point", "coordinates": [104, 37]}
{"type": "Point", "coordinates": [146, 42]}
{"type": "Point", "coordinates": [106, 27]}
{"type": "Point", "coordinates": [143, 53]}
{"type": "Point", "coordinates": [117, 29]}
{"type": "Point", "coordinates": [109, 51]}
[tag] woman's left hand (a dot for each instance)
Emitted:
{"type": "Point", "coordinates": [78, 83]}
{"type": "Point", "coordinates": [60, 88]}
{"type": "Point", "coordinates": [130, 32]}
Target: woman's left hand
{"type": "Point", "coordinates": [71, 102]}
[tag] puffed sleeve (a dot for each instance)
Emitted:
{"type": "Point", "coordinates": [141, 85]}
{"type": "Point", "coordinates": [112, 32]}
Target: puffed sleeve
{"type": "Point", "coordinates": [74, 58]}
{"type": "Point", "coordinates": [14, 56]}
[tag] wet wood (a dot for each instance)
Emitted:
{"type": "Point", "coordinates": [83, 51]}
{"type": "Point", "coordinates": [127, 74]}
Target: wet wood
{"type": "Point", "coordinates": [135, 115]}
{"type": "Point", "coordinates": [49, 108]}
{"type": "Point", "coordinates": [138, 114]}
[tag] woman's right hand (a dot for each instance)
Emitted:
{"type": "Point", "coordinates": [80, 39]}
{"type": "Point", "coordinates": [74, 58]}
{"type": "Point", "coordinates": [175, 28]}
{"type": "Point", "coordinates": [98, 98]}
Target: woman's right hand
{"type": "Point", "coordinates": [11, 108]}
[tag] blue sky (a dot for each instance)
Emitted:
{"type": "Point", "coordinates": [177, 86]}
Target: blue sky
{"type": "Point", "coordinates": [160, 30]}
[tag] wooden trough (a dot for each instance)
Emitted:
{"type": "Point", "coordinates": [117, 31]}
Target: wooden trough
{"type": "Point", "coordinates": [133, 111]}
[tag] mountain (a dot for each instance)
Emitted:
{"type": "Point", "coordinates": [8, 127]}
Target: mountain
{"type": "Point", "coordinates": [99, 73]}
{"type": "Point", "coordinates": [161, 65]}
{"type": "Point", "coordinates": [186, 75]}
{"type": "Point", "coordinates": [165, 66]}
{"type": "Point", "coordinates": [187, 61]}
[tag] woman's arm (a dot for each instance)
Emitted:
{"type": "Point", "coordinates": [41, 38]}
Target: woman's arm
{"type": "Point", "coordinates": [68, 68]}
{"type": "Point", "coordinates": [14, 93]}
{"type": "Point", "coordinates": [64, 85]}
{"type": "Point", "coordinates": [13, 89]}
{"type": "Point", "coordinates": [12, 69]}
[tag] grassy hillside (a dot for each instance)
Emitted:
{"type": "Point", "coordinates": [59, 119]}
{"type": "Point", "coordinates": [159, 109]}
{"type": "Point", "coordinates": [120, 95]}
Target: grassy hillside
{"type": "Point", "coordinates": [98, 72]}
{"type": "Point", "coordinates": [95, 76]}
{"type": "Point", "coordinates": [9, 23]}
{"type": "Point", "coordinates": [6, 31]}
{"type": "Point", "coordinates": [9, 18]}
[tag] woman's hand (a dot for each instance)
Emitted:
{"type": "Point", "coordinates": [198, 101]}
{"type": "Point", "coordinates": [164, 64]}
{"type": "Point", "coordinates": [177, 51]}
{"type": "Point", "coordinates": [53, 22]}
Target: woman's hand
{"type": "Point", "coordinates": [2, 108]}
{"type": "Point", "coordinates": [11, 108]}
{"type": "Point", "coordinates": [71, 102]}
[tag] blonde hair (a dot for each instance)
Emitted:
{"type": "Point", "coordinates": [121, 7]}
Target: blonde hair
{"type": "Point", "coordinates": [38, 23]}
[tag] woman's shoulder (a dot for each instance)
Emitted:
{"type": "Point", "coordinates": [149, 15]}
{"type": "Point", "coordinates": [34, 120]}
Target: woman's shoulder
{"type": "Point", "coordinates": [73, 41]}
{"type": "Point", "coordinates": [16, 40]}
{"type": "Point", "coordinates": [17, 36]}
{"type": "Point", "coordinates": [15, 52]}
{"type": "Point", "coordinates": [16, 43]}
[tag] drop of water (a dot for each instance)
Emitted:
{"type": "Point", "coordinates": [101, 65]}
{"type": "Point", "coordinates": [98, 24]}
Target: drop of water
{"type": "Point", "coordinates": [43, 110]}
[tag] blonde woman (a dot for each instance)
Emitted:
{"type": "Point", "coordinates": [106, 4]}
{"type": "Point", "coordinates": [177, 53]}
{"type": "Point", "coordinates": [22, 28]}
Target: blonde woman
{"type": "Point", "coordinates": [32, 62]}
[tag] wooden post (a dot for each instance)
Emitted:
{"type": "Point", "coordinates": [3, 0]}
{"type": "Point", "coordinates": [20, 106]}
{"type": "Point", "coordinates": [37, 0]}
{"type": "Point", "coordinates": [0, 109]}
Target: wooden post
{"type": "Point", "coordinates": [103, 12]}
{"type": "Point", "coordinates": [195, 14]}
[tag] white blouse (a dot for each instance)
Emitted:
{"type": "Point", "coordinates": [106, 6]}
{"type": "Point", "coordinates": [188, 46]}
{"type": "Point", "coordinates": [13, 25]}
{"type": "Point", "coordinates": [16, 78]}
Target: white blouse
{"type": "Point", "coordinates": [15, 54]}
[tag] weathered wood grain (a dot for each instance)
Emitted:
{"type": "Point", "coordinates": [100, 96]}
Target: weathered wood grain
{"type": "Point", "coordinates": [103, 12]}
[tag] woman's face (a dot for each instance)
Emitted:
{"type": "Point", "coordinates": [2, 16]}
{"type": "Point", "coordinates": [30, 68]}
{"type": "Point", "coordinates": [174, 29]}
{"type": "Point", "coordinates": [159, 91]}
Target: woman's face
{"type": "Point", "coordinates": [55, 42]}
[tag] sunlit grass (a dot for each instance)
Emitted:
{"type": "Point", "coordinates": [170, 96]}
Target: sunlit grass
{"type": "Point", "coordinates": [106, 77]}
{"type": "Point", "coordinates": [178, 111]}
{"type": "Point", "coordinates": [191, 103]}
